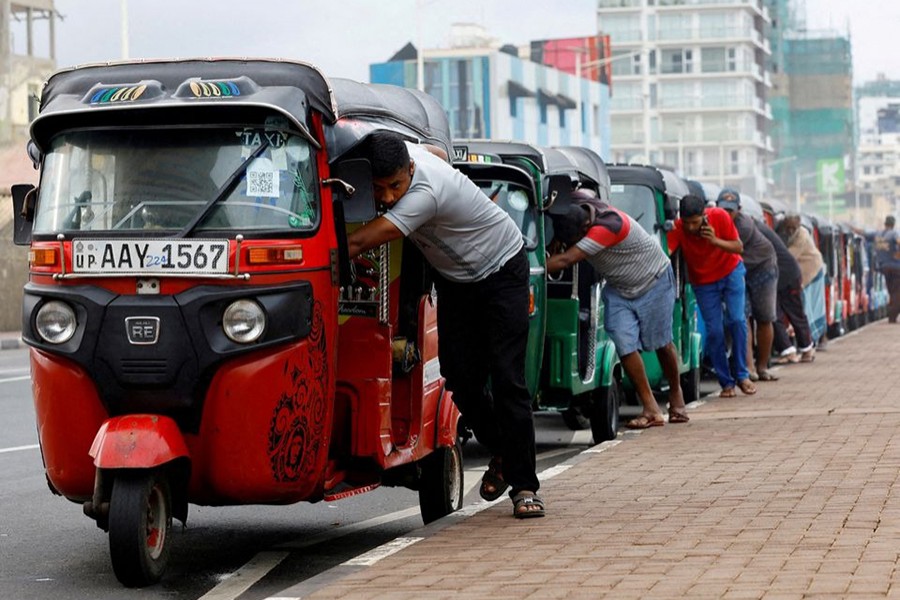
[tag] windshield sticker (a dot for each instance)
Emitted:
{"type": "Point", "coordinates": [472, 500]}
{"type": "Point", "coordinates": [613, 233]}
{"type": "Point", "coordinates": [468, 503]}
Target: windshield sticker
{"type": "Point", "coordinates": [297, 150]}
{"type": "Point", "coordinates": [518, 200]}
{"type": "Point", "coordinates": [279, 159]}
{"type": "Point", "coordinates": [617, 188]}
{"type": "Point", "coordinates": [262, 179]}
{"type": "Point", "coordinates": [255, 137]}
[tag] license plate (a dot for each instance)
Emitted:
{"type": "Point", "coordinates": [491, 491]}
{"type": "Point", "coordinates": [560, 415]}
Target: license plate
{"type": "Point", "coordinates": [199, 257]}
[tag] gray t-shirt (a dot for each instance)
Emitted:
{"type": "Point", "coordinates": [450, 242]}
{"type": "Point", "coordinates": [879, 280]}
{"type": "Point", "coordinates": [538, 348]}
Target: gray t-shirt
{"type": "Point", "coordinates": [628, 257]}
{"type": "Point", "coordinates": [758, 251]}
{"type": "Point", "coordinates": [464, 235]}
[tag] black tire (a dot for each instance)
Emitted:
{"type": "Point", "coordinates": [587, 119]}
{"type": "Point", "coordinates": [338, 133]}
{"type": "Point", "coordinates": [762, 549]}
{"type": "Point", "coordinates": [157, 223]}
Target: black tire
{"type": "Point", "coordinates": [575, 419]}
{"type": "Point", "coordinates": [441, 483]}
{"type": "Point", "coordinates": [690, 385]}
{"type": "Point", "coordinates": [140, 517]}
{"type": "Point", "coordinates": [605, 412]}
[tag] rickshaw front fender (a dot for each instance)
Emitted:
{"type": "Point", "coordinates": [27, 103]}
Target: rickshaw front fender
{"type": "Point", "coordinates": [137, 442]}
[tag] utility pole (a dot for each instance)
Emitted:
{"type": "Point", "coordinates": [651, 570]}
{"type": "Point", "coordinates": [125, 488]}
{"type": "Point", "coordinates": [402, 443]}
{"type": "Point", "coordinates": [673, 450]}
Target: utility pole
{"type": "Point", "coordinates": [124, 23]}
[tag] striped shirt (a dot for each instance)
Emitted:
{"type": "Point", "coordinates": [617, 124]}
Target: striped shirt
{"type": "Point", "coordinates": [626, 255]}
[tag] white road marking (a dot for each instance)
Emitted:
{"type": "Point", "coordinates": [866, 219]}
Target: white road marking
{"type": "Point", "coordinates": [371, 557]}
{"type": "Point", "coordinates": [12, 379]}
{"type": "Point", "coordinates": [19, 448]}
{"type": "Point", "coordinates": [228, 589]}
{"type": "Point", "coordinates": [241, 580]}
{"type": "Point", "coordinates": [602, 447]}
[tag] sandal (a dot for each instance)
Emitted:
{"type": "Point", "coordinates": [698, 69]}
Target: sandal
{"type": "Point", "coordinates": [678, 415]}
{"type": "Point", "coordinates": [747, 387]}
{"type": "Point", "coordinates": [492, 483]}
{"type": "Point", "coordinates": [727, 393]}
{"type": "Point", "coordinates": [766, 376]}
{"type": "Point", "coordinates": [527, 505]}
{"type": "Point", "coordinates": [645, 422]}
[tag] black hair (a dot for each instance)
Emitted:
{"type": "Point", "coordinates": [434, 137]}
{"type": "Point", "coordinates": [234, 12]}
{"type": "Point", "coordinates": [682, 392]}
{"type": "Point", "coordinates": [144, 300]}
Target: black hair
{"type": "Point", "coordinates": [568, 228]}
{"type": "Point", "coordinates": [691, 206]}
{"type": "Point", "coordinates": [387, 152]}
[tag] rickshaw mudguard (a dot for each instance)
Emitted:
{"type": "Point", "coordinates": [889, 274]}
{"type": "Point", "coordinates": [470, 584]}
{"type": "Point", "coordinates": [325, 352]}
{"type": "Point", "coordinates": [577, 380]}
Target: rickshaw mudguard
{"type": "Point", "coordinates": [68, 412]}
{"type": "Point", "coordinates": [138, 441]}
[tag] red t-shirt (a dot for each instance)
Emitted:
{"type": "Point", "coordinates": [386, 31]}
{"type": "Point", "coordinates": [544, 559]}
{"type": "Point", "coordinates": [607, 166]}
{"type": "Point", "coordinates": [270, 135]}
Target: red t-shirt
{"type": "Point", "coordinates": [706, 263]}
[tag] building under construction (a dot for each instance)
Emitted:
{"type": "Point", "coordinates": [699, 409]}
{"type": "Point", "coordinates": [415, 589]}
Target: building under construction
{"type": "Point", "coordinates": [27, 58]}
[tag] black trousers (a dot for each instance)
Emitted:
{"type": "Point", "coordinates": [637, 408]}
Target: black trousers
{"type": "Point", "coordinates": [790, 307]}
{"type": "Point", "coordinates": [892, 279]}
{"type": "Point", "coordinates": [483, 332]}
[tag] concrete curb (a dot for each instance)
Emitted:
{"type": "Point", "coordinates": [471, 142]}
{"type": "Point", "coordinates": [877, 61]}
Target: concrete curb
{"type": "Point", "coordinates": [11, 343]}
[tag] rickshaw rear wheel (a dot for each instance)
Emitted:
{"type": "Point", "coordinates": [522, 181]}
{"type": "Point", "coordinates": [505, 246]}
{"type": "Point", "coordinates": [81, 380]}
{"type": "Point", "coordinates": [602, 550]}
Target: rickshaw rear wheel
{"type": "Point", "coordinates": [690, 385]}
{"type": "Point", "coordinates": [605, 411]}
{"type": "Point", "coordinates": [140, 517]}
{"type": "Point", "coordinates": [441, 482]}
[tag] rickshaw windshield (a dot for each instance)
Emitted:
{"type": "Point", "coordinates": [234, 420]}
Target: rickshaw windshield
{"type": "Point", "coordinates": [514, 199]}
{"type": "Point", "coordinates": [638, 201]}
{"type": "Point", "coordinates": [147, 180]}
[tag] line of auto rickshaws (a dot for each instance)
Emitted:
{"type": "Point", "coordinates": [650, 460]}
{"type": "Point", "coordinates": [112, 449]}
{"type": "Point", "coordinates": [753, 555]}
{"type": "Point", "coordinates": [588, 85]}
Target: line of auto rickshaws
{"type": "Point", "coordinates": [572, 364]}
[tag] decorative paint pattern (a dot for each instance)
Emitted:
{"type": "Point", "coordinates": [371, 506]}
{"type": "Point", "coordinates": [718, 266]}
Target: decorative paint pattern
{"type": "Point", "coordinates": [118, 94]}
{"type": "Point", "coordinates": [298, 423]}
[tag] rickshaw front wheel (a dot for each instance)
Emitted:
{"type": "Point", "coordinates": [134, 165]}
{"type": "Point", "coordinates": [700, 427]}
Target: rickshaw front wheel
{"type": "Point", "coordinates": [140, 517]}
{"type": "Point", "coordinates": [441, 482]}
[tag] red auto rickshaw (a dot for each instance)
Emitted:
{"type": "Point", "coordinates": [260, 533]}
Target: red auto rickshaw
{"type": "Point", "coordinates": [197, 332]}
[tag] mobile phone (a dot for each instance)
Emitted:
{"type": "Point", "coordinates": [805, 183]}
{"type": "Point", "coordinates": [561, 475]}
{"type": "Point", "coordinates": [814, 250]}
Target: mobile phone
{"type": "Point", "coordinates": [705, 221]}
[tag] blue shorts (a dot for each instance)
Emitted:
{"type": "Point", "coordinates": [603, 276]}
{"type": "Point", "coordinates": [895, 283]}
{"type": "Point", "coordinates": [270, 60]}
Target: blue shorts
{"type": "Point", "coordinates": [642, 323]}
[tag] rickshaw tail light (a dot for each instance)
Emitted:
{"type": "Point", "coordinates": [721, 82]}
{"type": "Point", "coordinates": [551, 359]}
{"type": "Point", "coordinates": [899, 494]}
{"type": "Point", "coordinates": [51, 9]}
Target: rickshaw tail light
{"type": "Point", "coordinates": [276, 255]}
{"type": "Point", "coordinates": [42, 257]}
{"type": "Point", "coordinates": [531, 300]}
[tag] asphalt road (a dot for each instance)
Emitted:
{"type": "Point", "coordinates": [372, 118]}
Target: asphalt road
{"type": "Point", "coordinates": [49, 549]}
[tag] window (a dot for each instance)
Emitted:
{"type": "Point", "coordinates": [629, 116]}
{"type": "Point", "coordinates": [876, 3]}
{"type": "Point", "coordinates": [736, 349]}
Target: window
{"type": "Point", "coordinates": [679, 60]}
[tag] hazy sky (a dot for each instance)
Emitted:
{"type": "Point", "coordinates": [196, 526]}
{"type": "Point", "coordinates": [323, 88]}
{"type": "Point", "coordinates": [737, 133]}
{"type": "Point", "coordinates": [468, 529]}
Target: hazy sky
{"type": "Point", "coordinates": [344, 36]}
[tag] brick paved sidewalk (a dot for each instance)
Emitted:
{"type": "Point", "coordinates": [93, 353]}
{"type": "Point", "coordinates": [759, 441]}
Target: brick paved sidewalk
{"type": "Point", "coordinates": [791, 493]}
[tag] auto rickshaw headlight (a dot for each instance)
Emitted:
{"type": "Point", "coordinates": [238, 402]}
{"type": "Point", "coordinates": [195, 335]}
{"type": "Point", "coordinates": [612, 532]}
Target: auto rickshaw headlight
{"type": "Point", "coordinates": [55, 322]}
{"type": "Point", "coordinates": [244, 321]}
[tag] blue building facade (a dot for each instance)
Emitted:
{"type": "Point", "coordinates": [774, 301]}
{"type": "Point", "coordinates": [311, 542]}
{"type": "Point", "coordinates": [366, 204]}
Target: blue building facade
{"type": "Point", "coordinates": [492, 94]}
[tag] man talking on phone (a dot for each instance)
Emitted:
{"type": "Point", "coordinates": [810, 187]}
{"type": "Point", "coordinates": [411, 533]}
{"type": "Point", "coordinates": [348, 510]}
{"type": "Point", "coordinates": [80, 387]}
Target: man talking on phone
{"type": "Point", "coordinates": [712, 250]}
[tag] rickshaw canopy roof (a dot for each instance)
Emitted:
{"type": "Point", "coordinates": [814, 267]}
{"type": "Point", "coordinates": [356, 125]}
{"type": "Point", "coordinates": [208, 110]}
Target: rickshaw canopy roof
{"type": "Point", "coordinates": [584, 162]}
{"type": "Point", "coordinates": [104, 93]}
{"type": "Point", "coordinates": [751, 207]}
{"type": "Point", "coordinates": [671, 185]}
{"type": "Point", "coordinates": [362, 108]}
{"type": "Point", "coordinates": [501, 149]}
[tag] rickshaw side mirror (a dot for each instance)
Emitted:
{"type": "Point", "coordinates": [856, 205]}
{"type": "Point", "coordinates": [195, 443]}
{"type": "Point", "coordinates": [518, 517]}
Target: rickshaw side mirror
{"type": "Point", "coordinates": [559, 194]}
{"type": "Point", "coordinates": [351, 183]}
{"type": "Point", "coordinates": [667, 226]}
{"type": "Point", "coordinates": [24, 198]}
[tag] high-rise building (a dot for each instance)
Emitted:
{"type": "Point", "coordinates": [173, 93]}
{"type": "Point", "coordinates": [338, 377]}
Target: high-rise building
{"type": "Point", "coordinates": [489, 91]}
{"type": "Point", "coordinates": [691, 86]}
{"type": "Point", "coordinates": [878, 153]}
